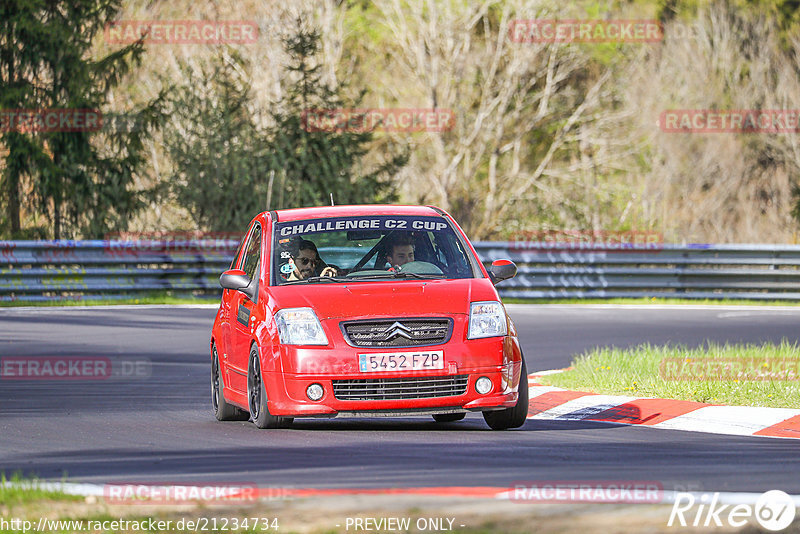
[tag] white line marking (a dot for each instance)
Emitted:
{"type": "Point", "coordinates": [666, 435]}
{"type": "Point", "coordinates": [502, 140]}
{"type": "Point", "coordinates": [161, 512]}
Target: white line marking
{"type": "Point", "coordinates": [678, 307]}
{"type": "Point", "coordinates": [548, 372]}
{"type": "Point", "coordinates": [737, 420]}
{"type": "Point", "coordinates": [669, 496]}
{"type": "Point", "coordinates": [535, 391]}
{"type": "Point", "coordinates": [70, 488]}
{"type": "Point", "coordinates": [751, 313]}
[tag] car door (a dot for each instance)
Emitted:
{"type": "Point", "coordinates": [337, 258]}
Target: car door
{"type": "Point", "coordinates": [242, 312]}
{"type": "Point", "coordinates": [224, 343]}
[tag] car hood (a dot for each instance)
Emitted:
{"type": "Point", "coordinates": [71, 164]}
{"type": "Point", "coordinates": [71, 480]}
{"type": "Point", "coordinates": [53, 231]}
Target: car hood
{"type": "Point", "coordinates": [391, 298]}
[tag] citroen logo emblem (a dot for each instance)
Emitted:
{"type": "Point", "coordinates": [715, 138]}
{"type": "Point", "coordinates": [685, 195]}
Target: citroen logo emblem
{"type": "Point", "coordinates": [397, 329]}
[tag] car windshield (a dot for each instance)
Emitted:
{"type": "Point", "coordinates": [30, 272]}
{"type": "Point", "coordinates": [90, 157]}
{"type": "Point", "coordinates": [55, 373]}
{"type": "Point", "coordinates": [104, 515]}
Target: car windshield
{"type": "Point", "coordinates": [368, 248]}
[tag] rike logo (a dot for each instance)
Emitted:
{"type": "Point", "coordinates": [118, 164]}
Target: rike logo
{"type": "Point", "coordinates": [774, 510]}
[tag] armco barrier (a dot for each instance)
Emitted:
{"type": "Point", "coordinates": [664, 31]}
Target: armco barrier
{"type": "Point", "coordinates": [763, 272]}
{"type": "Point", "coordinates": [74, 270]}
{"type": "Point", "coordinates": [59, 270]}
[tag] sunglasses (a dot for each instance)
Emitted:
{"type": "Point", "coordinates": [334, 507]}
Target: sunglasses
{"type": "Point", "coordinates": [305, 261]}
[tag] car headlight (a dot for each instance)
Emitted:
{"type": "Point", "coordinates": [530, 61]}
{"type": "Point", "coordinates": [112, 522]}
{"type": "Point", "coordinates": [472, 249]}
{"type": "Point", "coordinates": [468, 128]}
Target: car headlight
{"type": "Point", "coordinates": [487, 319]}
{"type": "Point", "coordinates": [300, 326]}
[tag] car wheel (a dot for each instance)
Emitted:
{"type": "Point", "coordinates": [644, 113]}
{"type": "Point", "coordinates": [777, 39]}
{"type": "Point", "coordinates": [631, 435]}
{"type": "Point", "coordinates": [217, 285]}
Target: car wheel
{"type": "Point", "coordinates": [448, 417]}
{"type": "Point", "coordinates": [222, 410]}
{"type": "Point", "coordinates": [257, 397]}
{"type": "Point", "coordinates": [512, 417]}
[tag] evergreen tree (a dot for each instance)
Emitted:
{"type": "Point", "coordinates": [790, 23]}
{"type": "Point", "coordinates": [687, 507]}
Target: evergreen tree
{"type": "Point", "coordinates": [19, 89]}
{"type": "Point", "coordinates": [45, 63]}
{"type": "Point", "coordinates": [228, 167]}
{"type": "Point", "coordinates": [220, 156]}
{"type": "Point", "coordinates": [316, 163]}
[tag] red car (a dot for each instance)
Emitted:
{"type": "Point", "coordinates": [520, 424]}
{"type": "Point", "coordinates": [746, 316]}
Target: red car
{"type": "Point", "coordinates": [368, 311]}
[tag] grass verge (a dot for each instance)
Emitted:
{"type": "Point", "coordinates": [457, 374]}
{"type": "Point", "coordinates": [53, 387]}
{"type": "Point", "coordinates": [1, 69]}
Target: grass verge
{"type": "Point", "coordinates": [19, 490]}
{"type": "Point", "coordinates": [157, 298]}
{"type": "Point", "coordinates": [736, 375]}
{"type": "Point", "coordinates": [655, 300]}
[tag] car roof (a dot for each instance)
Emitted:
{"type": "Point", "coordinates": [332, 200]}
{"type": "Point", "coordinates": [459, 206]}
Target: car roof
{"type": "Point", "coordinates": [297, 214]}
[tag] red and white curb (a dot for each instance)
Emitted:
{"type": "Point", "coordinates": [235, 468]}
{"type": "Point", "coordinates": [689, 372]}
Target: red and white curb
{"type": "Point", "coordinates": [547, 402]}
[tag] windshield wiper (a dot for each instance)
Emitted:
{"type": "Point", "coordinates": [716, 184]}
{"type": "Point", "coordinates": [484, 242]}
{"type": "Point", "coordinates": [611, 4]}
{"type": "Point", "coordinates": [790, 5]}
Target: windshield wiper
{"type": "Point", "coordinates": [426, 276]}
{"type": "Point", "coordinates": [314, 279]}
{"type": "Point", "coordinates": [399, 274]}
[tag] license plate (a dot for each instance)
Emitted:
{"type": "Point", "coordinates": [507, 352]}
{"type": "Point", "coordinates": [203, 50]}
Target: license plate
{"type": "Point", "coordinates": [401, 361]}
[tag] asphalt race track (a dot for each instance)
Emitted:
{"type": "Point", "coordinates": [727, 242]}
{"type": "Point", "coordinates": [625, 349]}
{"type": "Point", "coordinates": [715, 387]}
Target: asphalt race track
{"type": "Point", "coordinates": [160, 428]}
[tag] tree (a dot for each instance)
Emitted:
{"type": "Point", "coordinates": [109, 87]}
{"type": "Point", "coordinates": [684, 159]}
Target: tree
{"type": "Point", "coordinates": [717, 187]}
{"type": "Point", "coordinates": [320, 162]}
{"type": "Point", "coordinates": [519, 108]}
{"type": "Point", "coordinates": [20, 86]}
{"type": "Point", "coordinates": [81, 180]}
{"type": "Point", "coordinates": [221, 157]}
{"type": "Point", "coordinates": [228, 166]}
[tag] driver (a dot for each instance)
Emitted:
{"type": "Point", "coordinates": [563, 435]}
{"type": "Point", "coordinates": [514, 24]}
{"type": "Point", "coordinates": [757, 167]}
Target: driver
{"type": "Point", "coordinates": [400, 250]}
{"type": "Point", "coordinates": [304, 259]}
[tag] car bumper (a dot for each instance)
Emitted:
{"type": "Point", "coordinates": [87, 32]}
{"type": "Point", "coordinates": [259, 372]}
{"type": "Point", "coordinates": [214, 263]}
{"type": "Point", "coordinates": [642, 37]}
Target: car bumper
{"type": "Point", "coordinates": [388, 393]}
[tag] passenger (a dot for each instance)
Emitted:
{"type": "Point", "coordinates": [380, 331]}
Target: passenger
{"type": "Point", "coordinates": [304, 259]}
{"type": "Point", "coordinates": [399, 250]}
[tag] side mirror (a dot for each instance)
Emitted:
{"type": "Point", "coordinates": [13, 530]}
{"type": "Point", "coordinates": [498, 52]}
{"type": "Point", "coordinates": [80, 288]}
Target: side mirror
{"type": "Point", "coordinates": [237, 280]}
{"type": "Point", "coordinates": [502, 270]}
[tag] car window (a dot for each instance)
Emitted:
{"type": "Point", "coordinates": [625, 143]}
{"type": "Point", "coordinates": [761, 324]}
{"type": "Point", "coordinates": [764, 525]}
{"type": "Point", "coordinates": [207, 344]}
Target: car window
{"type": "Point", "coordinates": [235, 260]}
{"type": "Point", "coordinates": [369, 248]}
{"type": "Point", "coordinates": [253, 253]}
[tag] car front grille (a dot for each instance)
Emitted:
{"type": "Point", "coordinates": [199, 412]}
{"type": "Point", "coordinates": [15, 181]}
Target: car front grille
{"type": "Point", "coordinates": [397, 332]}
{"type": "Point", "coordinates": [418, 387]}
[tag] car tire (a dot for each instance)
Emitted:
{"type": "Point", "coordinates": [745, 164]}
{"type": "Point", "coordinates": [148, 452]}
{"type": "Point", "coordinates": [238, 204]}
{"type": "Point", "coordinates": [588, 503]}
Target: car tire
{"type": "Point", "coordinates": [512, 417]}
{"type": "Point", "coordinates": [448, 417]}
{"type": "Point", "coordinates": [257, 396]}
{"type": "Point", "coordinates": [223, 411]}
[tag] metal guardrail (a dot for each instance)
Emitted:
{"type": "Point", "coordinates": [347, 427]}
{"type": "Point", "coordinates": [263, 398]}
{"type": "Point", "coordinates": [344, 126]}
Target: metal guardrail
{"type": "Point", "coordinates": [61, 270]}
{"type": "Point", "coordinates": [761, 272]}
{"type": "Point", "coordinates": [77, 270]}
